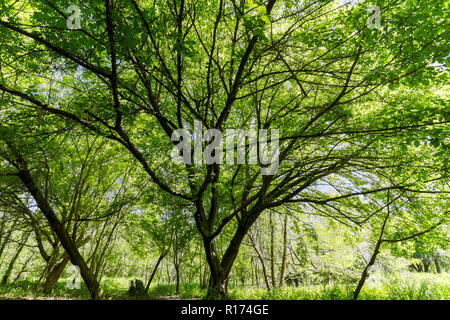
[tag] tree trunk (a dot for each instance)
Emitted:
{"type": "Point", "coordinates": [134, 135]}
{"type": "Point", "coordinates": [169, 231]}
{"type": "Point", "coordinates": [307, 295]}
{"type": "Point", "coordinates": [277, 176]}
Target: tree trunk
{"type": "Point", "coordinates": [272, 255]}
{"type": "Point", "coordinates": [14, 259]}
{"type": "Point", "coordinates": [2, 229]}
{"type": "Point", "coordinates": [242, 276]}
{"type": "Point", "coordinates": [7, 237]}
{"type": "Point", "coordinates": [417, 267]}
{"type": "Point", "coordinates": [51, 262]}
{"type": "Point", "coordinates": [376, 251]}
{"type": "Point", "coordinates": [200, 276]}
{"type": "Point", "coordinates": [217, 286]}
{"type": "Point", "coordinates": [217, 289]}
{"type": "Point", "coordinates": [436, 263]}
{"type": "Point", "coordinates": [155, 268]}
{"type": "Point", "coordinates": [426, 265]}
{"type": "Point", "coordinates": [263, 265]}
{"type": "Point", "coordinates": [283, 259]}
{"type": "Point", "coordinates": [253, 271]}
{"type": "Point", "coordinates": [54, 274]}
{"type": "Point", "coordinates": [53, 270]}
{"type": "Point", "coordinates": [168, 274]}
{"type": "Point", "coordinates": [257, 276]}
{"type": "Point", "coordinates": [204, 277]}
{"type": "Point", "coordinates": [24, 268]}
{"type": "Point", "coordinates": [220, 270]}
{"type": "Point", "coordinates": [177, 283]}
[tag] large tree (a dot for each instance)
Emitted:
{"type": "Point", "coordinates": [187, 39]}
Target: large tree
{"type": "Point", "coordinates": [351, 100]}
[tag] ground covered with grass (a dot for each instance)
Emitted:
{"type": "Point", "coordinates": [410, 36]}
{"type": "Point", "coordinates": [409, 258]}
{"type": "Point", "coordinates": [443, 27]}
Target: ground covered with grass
{"type": "Point", "coordinates": [402, 286]}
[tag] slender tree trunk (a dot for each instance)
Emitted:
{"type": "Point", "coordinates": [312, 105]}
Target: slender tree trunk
{"type": "Point", "coordinates": [242, 276]}
{"type": "Point", "coordinates": [257, 276]}
{"type": "Point", "coordinates": [263, 265]}
{"type": "Point", "coordinates": [2, 229]}
{"type": "Point", "coordinates": [426, 266]}
{"type": "Point", "coordinates": [7, 237]}
{"type": "Point", "coordinates": [204, 277]}
{"type": "Point", "coordinates": [168, 273]}
{"type": "Point", "coordinates": [372, 260]}
{"type": "Point", "coordinates": [155, 268]}
{"type": "Point", "coordinates": [272, 249]}
{"type": "Point", "coordinates": [253, 272]}
{"type": "Point", "coordinates": [14, 259]}
{"type": "Point", "coordinates": [177, 257]}
{"type": "Point", "coordinates": [436, 263]}
{"type": "Point", "coordinates": [200, 276]}
{"type": "Point", "coordinates": [417, 267]}
{"type": "Point", "coordinates": [177, 283]}
{"type": "Point", "coordinates": [24, 267]}
{"type": "Point", "coordinates": [283, 259]}
{"type": "Point", "coordinates": [365, 272]}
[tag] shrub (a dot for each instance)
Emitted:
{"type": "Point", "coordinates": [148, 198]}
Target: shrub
{"type": "Point", "coordinates": [137, 289]}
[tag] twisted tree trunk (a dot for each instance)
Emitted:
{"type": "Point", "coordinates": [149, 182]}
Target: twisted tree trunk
{"type": "Point", "coordinates": [54, 274]}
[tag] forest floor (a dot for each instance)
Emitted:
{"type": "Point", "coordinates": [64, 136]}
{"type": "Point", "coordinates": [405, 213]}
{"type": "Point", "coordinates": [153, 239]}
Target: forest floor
{"type": "Point", "coordinates": [405, 286]}
{"type": "Point", "coordinates": [173, 297]}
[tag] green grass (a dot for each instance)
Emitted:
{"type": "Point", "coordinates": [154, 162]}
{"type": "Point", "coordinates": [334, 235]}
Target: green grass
{"type": "Point", "coordinates": [187, 290]}
{"type": "Point", "coordinates": [409, 286]}
{"type": "Point", "coordinates": [403, 286]}
{"type": "Point", "coordinates": [24, 290]}
{"type": "Point", "coordinates": [316, 292]}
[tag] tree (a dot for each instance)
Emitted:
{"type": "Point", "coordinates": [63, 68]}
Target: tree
{"type": "Point", "coordinates": [342, 93]}
{"type": "Point", "coordinates": [406, 218]}
{"type": "Point", "coordinates": [74, 180]}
